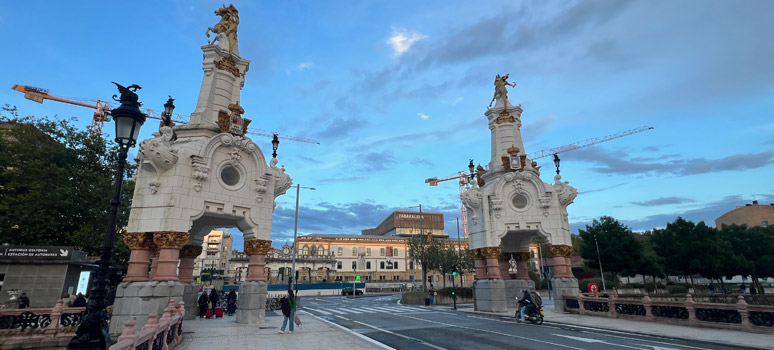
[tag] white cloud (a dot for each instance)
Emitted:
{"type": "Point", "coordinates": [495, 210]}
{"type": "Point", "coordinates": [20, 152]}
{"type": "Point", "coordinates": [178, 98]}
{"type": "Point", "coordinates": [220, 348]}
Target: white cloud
{"type": "Point", "coordinates": [402, 40]}
{"type": "Point", "coordinates": [305, 65]}
{"type": "Point", "coordinates": [423, 116]}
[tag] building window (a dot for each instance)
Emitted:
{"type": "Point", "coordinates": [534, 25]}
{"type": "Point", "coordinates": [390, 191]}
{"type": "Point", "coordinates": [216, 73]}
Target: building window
{"type": "Point", "coordinates": [305, 250]}
{"type": "Point", "coordinates": [381, 265]}
{"type": "Point", "coordinates": [381, 252]}
{"type": "Point", "coordinates": [368, 265]}
{"type": "Point", "coordinates": [395, 252]}
{"type": "Point", "coordinates": [765, 224]}
{"type": "Point", "coordinates": [354, 265]}
{"type": "Point", "coordinates": [338, 265]}
{"type": "Point", "coordinates": [411, 265]}
{"type": "Point", "coordinates": [368, 251]}
{"type": "Point", "coordinates": [341, 251]}
{"type": "Point", "coordinates": [313, 250]}
{"type": "Point", "coordinates": [532, 253]}
{"type": "Point", "coordinates": [354, 251]}
{"type": "Point", "coordinates": [320, 251]}
{"type": "Point", "coordinates": [395, 265]}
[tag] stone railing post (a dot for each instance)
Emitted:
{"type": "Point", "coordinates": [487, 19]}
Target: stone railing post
{"type": "Point", "coordinates": [504, 262]}
{"type": "Point", "coordinates": [492, 254]}
{"type": "Point", "coordinates": [150, 326]}
{"type": "Point", "coordinates": [169, 243]}
{"type": "Point", "coordinates": [741, 307]}
{"type": "Point", "coordinates": [689, 306]}
{"type": "Point", "coordinates": [56, 315]}
{"type": "Point", "coordinates": [129, 334]}
{"type": "Point", "coordinates": [522, 269]}
{"type": "Point", "coordinates": [140, 244]}
{"type": "Point", "coordinates": [581, 300]}
{"type": "Point", "coordinates": [257, 249]}
{"type": "Point", "coordinates": [187, 256]}
{"type": "Point", "coordinates": [611, 301]}
{"type": "Point", "coordinates": [648, 309]}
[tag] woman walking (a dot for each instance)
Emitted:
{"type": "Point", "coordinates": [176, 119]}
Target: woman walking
{"type": "Point", "coordinates": [203, 299]}
{"type": "Point", "coordinates": [288, 303]}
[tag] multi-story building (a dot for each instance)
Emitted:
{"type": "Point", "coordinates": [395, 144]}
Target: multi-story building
{"type": "Point", "coordinates": [211, 266]}
{"type": "Point", "coordinates": [751, 215]}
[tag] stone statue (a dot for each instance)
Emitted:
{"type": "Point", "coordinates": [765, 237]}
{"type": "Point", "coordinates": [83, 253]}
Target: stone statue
{"type": "Point", "coordinates": [501, 93]}
{"type": "Point", "coordinates": [229, 19]}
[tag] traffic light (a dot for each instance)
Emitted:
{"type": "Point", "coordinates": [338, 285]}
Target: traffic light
{"type": "Point", "coordinates": [357, 278]}
{"type": "Point", "coordinates": [454, 270]}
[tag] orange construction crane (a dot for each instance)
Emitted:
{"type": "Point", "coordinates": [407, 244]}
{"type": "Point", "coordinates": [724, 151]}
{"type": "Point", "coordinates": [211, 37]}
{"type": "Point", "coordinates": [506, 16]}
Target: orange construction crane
{"type": "Point", "coordinates": [464, 181]}
{"type": "Point", "coordinates": [464, 178]}
{"type": "Point", "coordinates": [103, 108]}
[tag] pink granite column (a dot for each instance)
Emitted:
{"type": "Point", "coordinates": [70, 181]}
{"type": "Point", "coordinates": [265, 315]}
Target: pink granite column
{"type": "Point", "coordinates": [560, 261]}
{"type": "Point", "coordinates": [492, 255]}
{"type": "Point", "coordinates": [479, 264]}
{"type": "Point", "coordinates": [257, 249]}
{"type": "Point", "coordinates": [505, 265]}
{"type": "Point", "coordinates": [140, 245]}
{"type": "Point", "coordinates": [154, 257]}
{"type": "Point", "coordinates": [187, 256]}
{"type": "Point", "coordinates": [522, 269]}
{"type": "Point", "coordinates": [169, 243]}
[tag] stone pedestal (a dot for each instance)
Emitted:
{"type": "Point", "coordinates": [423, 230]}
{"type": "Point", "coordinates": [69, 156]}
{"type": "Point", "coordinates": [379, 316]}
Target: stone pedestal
{"type": "Point", "coordinates": [136, 300]}
{"type": "Point", "coordinates": [490, 295]}
{"type": "Point", "coordinates": [252, 303]}
{"type": "Point", "coordinates": [190, 298]}
{"type": "Point", "coordinates": [565, 285]}
{"type": "Point", "coordinates": [513, 290]}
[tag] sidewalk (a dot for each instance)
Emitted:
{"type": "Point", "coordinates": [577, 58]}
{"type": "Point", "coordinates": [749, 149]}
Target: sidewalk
{"type": "Point", "coordinates": [711, 335]}
{"type": "Point", "coordinates": [314, 333]}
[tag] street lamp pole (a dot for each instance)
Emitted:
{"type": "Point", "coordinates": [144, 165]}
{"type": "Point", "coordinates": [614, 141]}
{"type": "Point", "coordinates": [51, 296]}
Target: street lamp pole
{"type": "Point", "coordinates": [295, 236]}
{"type": "Point", "coordinates": [599, 258]}
{"type": "Point", "coordinates": [93, 331]}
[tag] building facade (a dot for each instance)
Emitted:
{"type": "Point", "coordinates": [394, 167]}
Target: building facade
{"type": "Point", "coordinates": [751, 215]}
{"type": "Point", "coordinates": [211, 266]}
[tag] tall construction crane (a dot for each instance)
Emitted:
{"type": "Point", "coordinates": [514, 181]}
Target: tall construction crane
{"type": "Point", "coordinates": [465, 180]}
{"type": "Point", "coordinates": [103, 108]}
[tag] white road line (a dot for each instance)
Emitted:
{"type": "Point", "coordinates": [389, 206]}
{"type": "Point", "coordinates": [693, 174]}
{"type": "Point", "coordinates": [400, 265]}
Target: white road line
{"type": "Point", "coordinates": [383, 346]}
{"type": "Point", "coordinates": [606, 332]}
{"type": "Point", "coordinates": [337, 311]}
{"type": "Point", "coordinates": [361, 309]}
{"type": "Point", "coordinates": [372, 309]}
{"type": "Point", "coordinates": [320, 311]}
{"type": "Point", "coordinates": [353, 310]}
{"type": "Point", "coordinates": [401, 335]}
{"type": "Point", "coordinates": [598, 341]}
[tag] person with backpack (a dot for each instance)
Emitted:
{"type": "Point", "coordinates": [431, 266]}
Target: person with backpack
{"type": "Point", "coordinates": [203, 299]}
{"type": "Point", "coordinates": [288, 303]}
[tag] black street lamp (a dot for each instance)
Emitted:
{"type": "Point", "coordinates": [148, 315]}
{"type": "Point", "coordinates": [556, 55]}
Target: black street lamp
{"type": "Point", "coordinates": [93, 331]}
{"type": "Point", "coordinates": [274, 145]}
{"type": "Point", "coordinates": [169, 107]}
{"type": "Point", "coordinates": [556, 162]}
{"type": "Point", "coordinates": [472, 169]}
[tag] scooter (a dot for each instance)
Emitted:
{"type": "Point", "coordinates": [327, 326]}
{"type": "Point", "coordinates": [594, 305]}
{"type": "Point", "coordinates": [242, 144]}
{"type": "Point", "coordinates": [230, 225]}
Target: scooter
{"type": "Point", "coordinates": [535, 317]}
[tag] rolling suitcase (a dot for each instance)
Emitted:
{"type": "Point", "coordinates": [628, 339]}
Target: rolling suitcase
{"type": "Point", "coordinates": [209, 314]}
{"type": "Point", "coordinates": [219, 312]}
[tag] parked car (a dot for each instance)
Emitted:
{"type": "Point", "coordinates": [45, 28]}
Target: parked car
{"type": "Point", "coordinates": [348, 291]}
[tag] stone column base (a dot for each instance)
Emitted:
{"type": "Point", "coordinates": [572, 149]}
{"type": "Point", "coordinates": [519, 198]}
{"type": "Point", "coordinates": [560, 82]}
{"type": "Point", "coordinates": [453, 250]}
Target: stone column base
{"type": "Point", "coordinates": [251, 306]}
{"type": "Point", "coordinates": [136, 300]}
{"type": "Point", "coordinates": [191, 300]}
{"type": "Point", "coordinates": [559, 285]}
{"type": "Point", "coordinates": [513, 290]}
{"type": "Point", "coordinates": [490, 295]}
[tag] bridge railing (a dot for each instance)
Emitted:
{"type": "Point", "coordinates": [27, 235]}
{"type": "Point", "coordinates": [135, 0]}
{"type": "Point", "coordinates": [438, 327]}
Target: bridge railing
{"type": "Point", "coordinates": [166, 333]}
{"type": "Point", "coordinates": [59, 321]}
{"type": "Point", "coordinates": [740, 316]}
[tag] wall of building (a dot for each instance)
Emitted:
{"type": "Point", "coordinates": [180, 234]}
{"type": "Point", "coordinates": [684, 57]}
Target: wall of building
{"type": "Point", "coordinates": [751, 215]}
{"type": "Point", "coordinates": [43, 283]}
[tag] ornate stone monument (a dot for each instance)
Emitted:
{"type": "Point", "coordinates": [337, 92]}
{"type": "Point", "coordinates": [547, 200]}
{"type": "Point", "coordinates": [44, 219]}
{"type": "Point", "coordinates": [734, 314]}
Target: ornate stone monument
{"type": "Point", "coordinates": [508, 206]}
{"type": "Point", "coordinates": [194, 178]}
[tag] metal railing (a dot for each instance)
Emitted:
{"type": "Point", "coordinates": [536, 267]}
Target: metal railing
{"type": "Point", "coordinates": [58, 321]}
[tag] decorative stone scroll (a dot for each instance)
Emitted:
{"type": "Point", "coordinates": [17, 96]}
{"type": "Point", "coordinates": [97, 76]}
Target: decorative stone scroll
{"type": "Point", "coordinates": [505, 117]}
{"type": "Point", "coordinates": [228, 64]}
{"type": "Point", "coordinates": [560, 250]}
{"type": "Point", "coordinates": [171, 239]}
{"type": "Point", "coordinates": [139, 240]}
{"type": "Point", "coordinates": [490, 252]}
{"type": "Point", "coordinates": [257, 246]}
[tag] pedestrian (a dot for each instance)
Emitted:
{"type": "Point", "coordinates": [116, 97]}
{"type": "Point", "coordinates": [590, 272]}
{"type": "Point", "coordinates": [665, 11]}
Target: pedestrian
{"type": "Point", "coordinates": [72, 300]}
{"type": "Point", "coordinates": [431, 295]}
{"type": "Point", "coordinates": [80, 301]}
{"type": "Point", "coordinates": [214, 300]}
{"type": "Point", "coordinates": [288, 303]}
{"type": "Point", "coordinates": [231, 300]}
{"type": "Point", "coordinates": [24, 301]}
{"type": "Point", "coordinates": [203, 304]}
{"type": "Point", "coordinates": [711, 288]}
{"type": "Point", "coordinates": [753, 290]}
{"type": "Point", "coordinates": [743, 288]}
{"type": "Point", "coordinates": [66, 299]}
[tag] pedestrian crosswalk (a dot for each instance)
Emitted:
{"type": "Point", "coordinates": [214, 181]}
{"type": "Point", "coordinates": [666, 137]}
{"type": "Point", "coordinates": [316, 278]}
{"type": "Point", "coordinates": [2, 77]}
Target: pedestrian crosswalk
{"type": "Point", "coordinates": [346, 310]}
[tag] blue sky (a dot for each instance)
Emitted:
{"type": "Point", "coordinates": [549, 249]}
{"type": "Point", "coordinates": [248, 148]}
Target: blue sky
{"type": "Point", "coordinates": [395, 92]}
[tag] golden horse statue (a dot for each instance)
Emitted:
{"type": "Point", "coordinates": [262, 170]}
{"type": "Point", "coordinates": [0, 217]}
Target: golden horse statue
{"type": "Point", "coordinates": [229, 19]}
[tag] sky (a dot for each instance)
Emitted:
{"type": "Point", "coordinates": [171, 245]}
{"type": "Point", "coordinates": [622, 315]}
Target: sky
{"type": "Point", "coordinates": [395, 92]}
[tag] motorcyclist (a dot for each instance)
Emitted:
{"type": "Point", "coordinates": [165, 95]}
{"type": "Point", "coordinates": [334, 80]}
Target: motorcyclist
{"type": "Point", "coordinates": [527, 304]}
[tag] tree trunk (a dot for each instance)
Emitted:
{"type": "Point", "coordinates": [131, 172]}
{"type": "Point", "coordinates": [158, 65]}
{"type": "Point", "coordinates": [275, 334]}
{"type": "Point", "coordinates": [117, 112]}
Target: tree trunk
{"type": "Point", "coordinates": [655, 286]}
{"type": "Point", "coordinates": [692, 285]}
{"type": "Point", "coordinates": [444, 280]}
{"type": "Point", "coordinates": [722, 285]}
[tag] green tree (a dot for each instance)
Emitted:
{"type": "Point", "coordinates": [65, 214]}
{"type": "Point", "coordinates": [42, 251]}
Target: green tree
{"type": "Point", "coordinates": [650, 264]}
{"type": "Point", "coordinates": [752, 252]}
{"type": "Point", "coordinates": [57, 183]}
{"type": "Point", "coordinates": [423, 250]}
{"type": "Point", "coordinates": [619, 250]}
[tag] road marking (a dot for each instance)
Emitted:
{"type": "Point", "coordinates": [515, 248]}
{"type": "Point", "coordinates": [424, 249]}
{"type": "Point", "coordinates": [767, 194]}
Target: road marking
{"type": "Point", "coordinates": [657, 347]}
{"type": "Point", "coordinates": [402, 336]}
{"type": "Point", "coordinates": [493, 332]}
{"type": "Point", "coordinates": [591, 340]}
{"type": "Point", "coordinates": [353, 310]}
{"type": "Point", "coordinates": [606, 332]}
{"type": "Point", "coordinates": [320, 311]}
{"type": "Point", "coordinates": [372, 341]}
{"type": "Point", "coordinates": [338, 312]}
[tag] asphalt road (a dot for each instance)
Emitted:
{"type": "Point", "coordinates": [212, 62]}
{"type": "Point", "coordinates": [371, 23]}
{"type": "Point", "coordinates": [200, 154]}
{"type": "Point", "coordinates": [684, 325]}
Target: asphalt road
{"type": "Point", "coordinates": [418, 327]}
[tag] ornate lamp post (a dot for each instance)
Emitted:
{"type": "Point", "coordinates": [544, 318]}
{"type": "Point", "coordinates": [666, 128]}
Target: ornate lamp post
{"type": "Point", "coordinates": [169, 107]}
{"type": "Point", "coordinates": [556, 162]}
{"type": "Point", "coordinates": [274, 145]}
{"type": "Point", "coordinates": [472, 169]}
{"type": "Point", "coordinates": [93, 331]}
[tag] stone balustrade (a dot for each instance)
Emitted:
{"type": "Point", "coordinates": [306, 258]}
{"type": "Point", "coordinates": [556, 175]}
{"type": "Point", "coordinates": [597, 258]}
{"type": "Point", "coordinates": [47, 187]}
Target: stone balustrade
{"type": "Point", "coordinates": [739, 316]}
{"type": "Point", "coordinates": [59, 321]}
{"type": "Point", "coordinates": [166, 333]}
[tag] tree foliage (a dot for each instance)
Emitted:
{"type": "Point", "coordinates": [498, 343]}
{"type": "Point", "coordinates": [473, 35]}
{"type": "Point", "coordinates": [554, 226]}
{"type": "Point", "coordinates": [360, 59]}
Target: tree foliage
{"type": "Point", "coordinates": [57, 183]}
{"type": "Point", "coordinates": [619, 250]}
